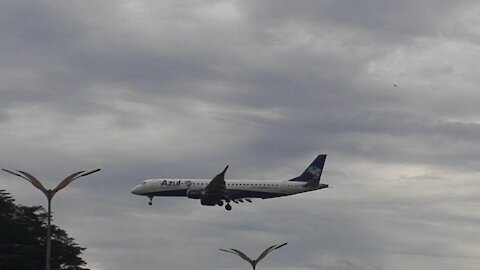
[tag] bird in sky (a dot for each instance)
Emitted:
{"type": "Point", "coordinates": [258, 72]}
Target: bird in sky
{"type": "Point", "coordinates": [262, 255]}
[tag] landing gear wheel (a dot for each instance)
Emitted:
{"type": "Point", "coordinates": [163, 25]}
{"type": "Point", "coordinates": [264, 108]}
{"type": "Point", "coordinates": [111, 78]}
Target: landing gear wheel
{"type": "Point", "coordinates": [150, 202]}
{"type": "Point", "coordinates": [228, 207]}
{"type": "Point", "coordinates": [220, 203]}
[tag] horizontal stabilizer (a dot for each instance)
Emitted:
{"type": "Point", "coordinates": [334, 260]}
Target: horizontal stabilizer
{"type": "Point", "coordinates": [314, 182]}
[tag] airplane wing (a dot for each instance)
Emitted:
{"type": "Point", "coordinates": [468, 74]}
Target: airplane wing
{"type": "Point", "coordinates": [217, 187]}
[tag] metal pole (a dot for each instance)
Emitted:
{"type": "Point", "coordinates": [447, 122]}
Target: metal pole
{"type": "Point", "coordinates": [49, 240]}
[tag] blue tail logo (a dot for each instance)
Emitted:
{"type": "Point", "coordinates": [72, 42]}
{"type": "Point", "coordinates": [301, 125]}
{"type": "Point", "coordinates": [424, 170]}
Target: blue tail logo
{"type": "Point", "coordinates": [314, 170]}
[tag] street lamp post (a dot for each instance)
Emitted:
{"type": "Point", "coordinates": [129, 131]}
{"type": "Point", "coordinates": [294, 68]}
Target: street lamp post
{"type": "Point", "coordinates": [252, 262]}
{"type": "Point", "coordinates": [49, 193]}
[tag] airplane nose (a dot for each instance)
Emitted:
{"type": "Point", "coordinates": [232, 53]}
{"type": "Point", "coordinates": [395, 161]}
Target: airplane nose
{"type": "Point", "coordinates": [136, 190]}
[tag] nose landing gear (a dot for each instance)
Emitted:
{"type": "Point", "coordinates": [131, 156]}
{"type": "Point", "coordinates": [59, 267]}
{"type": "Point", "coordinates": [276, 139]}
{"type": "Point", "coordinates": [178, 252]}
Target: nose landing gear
{"type": "Point", "coordinates": [228, 207]}
{"type": "Point", "coordinates": [150, 200]}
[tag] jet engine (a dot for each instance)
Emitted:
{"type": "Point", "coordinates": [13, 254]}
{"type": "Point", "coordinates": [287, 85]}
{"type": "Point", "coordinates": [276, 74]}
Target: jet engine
{"type": "Point", "coordinates": [211, 201]}
{"type": "Point", "coordinates": [194, 193]}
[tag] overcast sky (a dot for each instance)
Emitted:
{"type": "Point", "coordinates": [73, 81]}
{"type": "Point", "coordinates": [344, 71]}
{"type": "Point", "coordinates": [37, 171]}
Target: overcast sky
{"type": "Point", "coordinates": [150, 89]}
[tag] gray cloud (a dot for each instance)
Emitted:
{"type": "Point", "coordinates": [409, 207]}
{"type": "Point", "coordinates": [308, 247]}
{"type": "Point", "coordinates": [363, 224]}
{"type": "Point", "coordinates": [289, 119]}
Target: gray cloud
{"type": "Point", "coordinates": [165, 89]}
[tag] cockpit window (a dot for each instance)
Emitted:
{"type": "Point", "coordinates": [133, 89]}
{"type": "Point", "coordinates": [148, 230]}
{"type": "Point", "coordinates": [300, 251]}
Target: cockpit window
{"type": "Point", "coordinates": [144, 182]}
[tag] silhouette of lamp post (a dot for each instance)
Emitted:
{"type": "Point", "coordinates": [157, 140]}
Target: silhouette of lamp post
{"type": "Point", "coordinates": [262, 255]}
{"type": "Point", "coordinates": [49, 193]}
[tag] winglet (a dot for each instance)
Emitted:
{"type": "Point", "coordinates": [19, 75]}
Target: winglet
{"type": "Point", "coordinates": [224, 170]}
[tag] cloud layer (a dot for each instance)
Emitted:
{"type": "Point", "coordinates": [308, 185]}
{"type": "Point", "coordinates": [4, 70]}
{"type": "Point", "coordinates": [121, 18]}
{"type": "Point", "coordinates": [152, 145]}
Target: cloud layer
{"type": "Point", "coordinates": [141, 89]}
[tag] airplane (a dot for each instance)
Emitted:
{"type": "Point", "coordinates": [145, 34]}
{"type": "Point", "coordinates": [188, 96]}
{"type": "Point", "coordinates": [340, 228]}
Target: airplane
{"type": "Point", "coordinates": [219, 192]}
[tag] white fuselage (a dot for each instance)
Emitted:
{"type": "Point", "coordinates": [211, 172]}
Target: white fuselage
{"type": "Point", "coordinates": [242, 188]}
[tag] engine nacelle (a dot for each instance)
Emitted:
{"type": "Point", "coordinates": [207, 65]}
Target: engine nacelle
{"type": "Point", "coordinates": [209, 201]}
{"type": "Point", "coordinates": [194, 193]}
{"type": "Point", "coordinates": [200, 194]}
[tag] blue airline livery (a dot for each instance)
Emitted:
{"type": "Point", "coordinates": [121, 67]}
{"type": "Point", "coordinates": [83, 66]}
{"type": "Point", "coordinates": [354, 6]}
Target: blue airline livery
{"type": "Point", "coordinates": [220, 192]}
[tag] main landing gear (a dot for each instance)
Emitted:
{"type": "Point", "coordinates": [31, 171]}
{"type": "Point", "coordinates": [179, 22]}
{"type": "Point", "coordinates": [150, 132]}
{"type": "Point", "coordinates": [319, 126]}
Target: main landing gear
{"type": "Point", "coordinates": [150, 201]}
{"type": "Point", "coordinates": [228, 207]}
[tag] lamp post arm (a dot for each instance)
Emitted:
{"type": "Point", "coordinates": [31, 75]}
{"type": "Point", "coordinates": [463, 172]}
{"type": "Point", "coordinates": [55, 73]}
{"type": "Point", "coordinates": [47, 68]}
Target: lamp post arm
{"type": "Point", "coordinates": [16, 174]}
{"type": "Point", "coordinates": [268, 250]}
{"type": "Point", "coordinates": [65, 182]}
{"type": "Point", "coordinates": [30, 178]}
{"type": "Point", "coordinates": [35, 182]}
{"type": "Point", "coordinates": [227, 251]}
{"type": "Point", "coordinates": [242, 255]}
{"type": "Point", "coordinates": [90, 172]}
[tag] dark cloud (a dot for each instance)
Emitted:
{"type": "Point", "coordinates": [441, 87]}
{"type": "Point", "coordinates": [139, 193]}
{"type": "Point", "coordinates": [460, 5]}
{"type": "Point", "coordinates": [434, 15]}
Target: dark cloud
{"type": "Point", "coordinates": [162, 89]}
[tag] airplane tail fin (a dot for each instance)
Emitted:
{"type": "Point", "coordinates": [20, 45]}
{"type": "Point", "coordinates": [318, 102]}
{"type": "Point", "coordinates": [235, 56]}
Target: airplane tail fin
{"type": "Point", "coordinates": [311, 176]}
